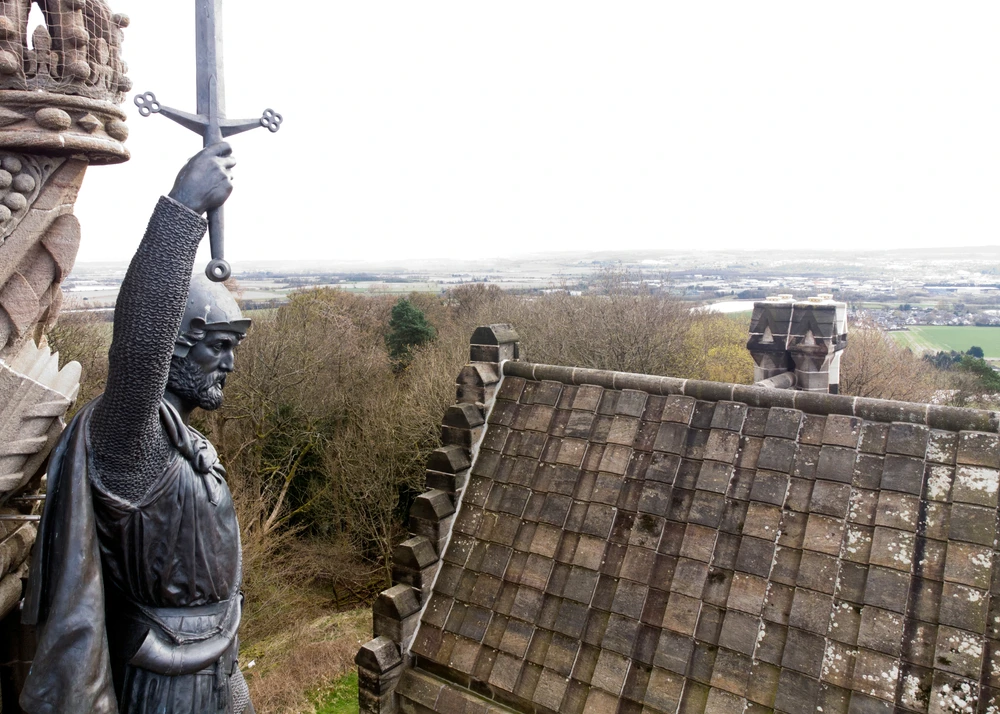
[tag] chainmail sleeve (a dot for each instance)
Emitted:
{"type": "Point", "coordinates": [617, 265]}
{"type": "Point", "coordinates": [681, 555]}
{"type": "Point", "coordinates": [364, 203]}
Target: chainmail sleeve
{"type": "Point", "coordinates": [129, 447]}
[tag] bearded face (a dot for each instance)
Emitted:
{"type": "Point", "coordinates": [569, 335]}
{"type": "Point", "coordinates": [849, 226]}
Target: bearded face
{"type": "Point", "coordinates": [198, 378]}
{"type": "Point", "coordinates": [194, 386]}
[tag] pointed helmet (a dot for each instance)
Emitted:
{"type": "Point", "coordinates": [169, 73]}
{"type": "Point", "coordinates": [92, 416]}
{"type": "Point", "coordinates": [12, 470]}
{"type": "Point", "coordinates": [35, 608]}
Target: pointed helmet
{"type": "Point", "coordinates": [210, 307]}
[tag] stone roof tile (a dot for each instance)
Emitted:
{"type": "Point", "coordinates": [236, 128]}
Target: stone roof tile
{"type": "Point", "coordinates": [629, 543]}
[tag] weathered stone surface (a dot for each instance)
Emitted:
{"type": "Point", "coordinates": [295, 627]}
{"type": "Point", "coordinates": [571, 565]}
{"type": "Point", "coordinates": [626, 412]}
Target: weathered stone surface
{"type": "Point", "coordinates": [478, 374]}
{"type": "Point", "coordinates": [59, 96]}
{"type": "Point", "coordinates": [38, 251]}
{"type": "Point", "coordinates": [451, 483]}
{"type": "Point", "coordinates": [34, 396]}
{"type": "Point", "coordinates": [432, 506]}
{"type": "Point", "coordinates": [379, 668]}
{"type": "Point", "coordinates": [494, 343]}
{"type": "Point", "coordinates": [399, 602]}
{"type": "Point", "coordinates": [380, 655]}
{"type": "Point", "coordinates": [415, 553]}
{"type": "Point", "coordinates": [464, 416]}
{"type": "Point", "coordinates": [449, 459]}
{"type": "Point", "coordinates": [806, 337]}
{"type": "Point", "coordinates": [629, 544]}
{"type": "Point", "coordinates": [61, 89]}
{"type": "Point", "coordinates": [395, 614]}
{"type": "Point", "coordinates": [494, 335]}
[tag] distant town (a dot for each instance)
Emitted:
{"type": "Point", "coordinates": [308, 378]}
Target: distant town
{"type": "Point", "coordinates": [889, 289]}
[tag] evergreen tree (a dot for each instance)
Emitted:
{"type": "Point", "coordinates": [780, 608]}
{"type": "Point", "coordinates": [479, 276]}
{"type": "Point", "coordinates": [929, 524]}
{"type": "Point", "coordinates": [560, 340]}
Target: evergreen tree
{"type": "Point", "coordinates": [408, 328]}
{"type": "Point", "coordinates": [987, 375]}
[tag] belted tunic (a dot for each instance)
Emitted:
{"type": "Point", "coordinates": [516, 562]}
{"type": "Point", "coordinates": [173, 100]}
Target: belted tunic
{"type": "Point", "coordinates": [171, 576]}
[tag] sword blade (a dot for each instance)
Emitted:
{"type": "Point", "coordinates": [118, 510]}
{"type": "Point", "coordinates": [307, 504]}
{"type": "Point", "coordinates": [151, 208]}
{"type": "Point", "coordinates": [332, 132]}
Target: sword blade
{"type": "Point", "coordinates": [211, 75]}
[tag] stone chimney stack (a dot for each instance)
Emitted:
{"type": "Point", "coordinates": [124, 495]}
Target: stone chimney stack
{"type": "Point", "coordinates": [800, 337]}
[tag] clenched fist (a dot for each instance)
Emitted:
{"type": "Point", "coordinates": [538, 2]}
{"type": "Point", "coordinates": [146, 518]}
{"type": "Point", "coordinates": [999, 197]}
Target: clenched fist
{"type": "Point", "coordinates": [206, 180]}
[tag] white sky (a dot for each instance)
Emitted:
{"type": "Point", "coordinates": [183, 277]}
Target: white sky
{"type": "Point", "coordinates": [474, 129]}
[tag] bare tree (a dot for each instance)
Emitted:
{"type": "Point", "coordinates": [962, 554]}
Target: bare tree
{"type": "Point", "coordinates": [875, 365]}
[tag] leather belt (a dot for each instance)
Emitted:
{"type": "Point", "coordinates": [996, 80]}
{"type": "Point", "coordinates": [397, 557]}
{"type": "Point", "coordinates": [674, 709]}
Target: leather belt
{"type": "Point", "coordinates": [166, 651]}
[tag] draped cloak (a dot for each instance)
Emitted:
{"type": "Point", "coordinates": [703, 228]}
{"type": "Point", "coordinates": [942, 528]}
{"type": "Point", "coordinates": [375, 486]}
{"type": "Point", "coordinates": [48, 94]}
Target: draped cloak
{"type": "Point", "coordinates": [108, 575]}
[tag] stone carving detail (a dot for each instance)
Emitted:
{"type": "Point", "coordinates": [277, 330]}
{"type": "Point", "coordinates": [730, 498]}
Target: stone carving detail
{"type": "Point", "coordinates": [61, 95]}
{"type": "Point", "coordinates": [16, 540]}
{"type": "Point", "coordinates": [63, 126]}
{"type": "Point", "coordinates": [21, 180]}
{"type": "Point", "coordinates": [34, 396]}
{"type": "Point", "coordinates": [40, 249]}
{"type": "Point", "coordinates": [60, 91]}
{"type": "Point", "coordinates": [78, 52]}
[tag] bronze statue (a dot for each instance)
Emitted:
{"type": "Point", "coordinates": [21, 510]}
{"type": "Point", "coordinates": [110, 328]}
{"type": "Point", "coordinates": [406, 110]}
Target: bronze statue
{"type": "Point", "coordinates": [135, 583]}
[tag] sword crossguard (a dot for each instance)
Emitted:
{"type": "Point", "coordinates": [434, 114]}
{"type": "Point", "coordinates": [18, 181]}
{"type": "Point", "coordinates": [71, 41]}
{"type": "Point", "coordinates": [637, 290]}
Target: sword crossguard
{"type": "Point", "coordinates": [202, 125]}
{"type": "Point", "coordinates": [211, 128]}
{"type": "Point", "coordinates": [147, 104]}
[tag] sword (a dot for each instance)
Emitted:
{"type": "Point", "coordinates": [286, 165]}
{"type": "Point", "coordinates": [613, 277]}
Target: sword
{"type": "Point", "coordinates": [210, 122]}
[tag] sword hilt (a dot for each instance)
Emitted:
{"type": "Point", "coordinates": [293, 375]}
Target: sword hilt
{"type": "Point", "coordinates": [218, 270]}
{"type": "Point", "coordinates": [212, 129]}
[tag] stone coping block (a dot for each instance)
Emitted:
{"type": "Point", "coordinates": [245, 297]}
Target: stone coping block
{"type": "Point", "coordinates": [432, 505]}
{"type": "Point", "coordinates": [380, 655]}
{"type": "Point", "coordinates": [398, 602]}
{"type": "Point", "coordinates": [494, 335]}
{"type": "Point", "coordinates": [464, 416]}
{"type": "Point", "coordinates": [415, 554]}
{"type": "Point", "coordinates": [449, 460]}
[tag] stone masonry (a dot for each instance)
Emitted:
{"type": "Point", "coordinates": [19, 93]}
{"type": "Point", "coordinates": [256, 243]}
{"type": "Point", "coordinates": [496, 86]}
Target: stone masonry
{"type": "Point", "coordinates": [625, 543]}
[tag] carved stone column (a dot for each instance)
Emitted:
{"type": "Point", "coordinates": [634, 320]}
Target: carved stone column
{"type": "Point", "coordinates": [61, 87]}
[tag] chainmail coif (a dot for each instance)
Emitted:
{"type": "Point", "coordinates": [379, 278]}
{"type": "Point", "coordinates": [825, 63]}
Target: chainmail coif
{"type": "Point", "coordinates": [129, 446]}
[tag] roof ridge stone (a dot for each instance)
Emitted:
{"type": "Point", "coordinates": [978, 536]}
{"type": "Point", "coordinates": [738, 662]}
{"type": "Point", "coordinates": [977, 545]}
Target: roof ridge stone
{"type": "Point", "coordinates": [882, 410]}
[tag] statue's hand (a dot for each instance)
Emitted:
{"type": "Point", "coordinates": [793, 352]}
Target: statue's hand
{"type": "Point", "coordinates": [206, 180]}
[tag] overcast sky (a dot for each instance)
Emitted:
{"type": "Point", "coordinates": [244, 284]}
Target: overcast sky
{"type": "Point", "coordinates": [475, 129]}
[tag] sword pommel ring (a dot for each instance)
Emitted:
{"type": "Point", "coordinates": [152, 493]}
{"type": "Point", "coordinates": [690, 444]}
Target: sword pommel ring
{"type": "Point", "coordinates": [218, 271]}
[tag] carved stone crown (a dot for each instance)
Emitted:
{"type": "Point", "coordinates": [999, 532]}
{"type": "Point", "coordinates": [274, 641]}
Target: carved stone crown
{"type": "Point", "coordinates": [61, 95]}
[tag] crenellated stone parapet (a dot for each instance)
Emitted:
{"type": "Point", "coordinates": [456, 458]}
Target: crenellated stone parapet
{"type": "Point", "coordinates": [433, 517]}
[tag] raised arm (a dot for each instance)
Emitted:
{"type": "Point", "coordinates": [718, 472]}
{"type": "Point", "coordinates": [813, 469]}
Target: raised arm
{"type": "Point", "coordinates": [129, 446]}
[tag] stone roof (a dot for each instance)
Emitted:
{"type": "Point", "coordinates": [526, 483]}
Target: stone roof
{"type": "Point", "coordinates": [626, 543]}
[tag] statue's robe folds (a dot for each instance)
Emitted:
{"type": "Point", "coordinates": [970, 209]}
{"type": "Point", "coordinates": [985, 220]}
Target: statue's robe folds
{"type": "Point", "coordinates": [137, 605]}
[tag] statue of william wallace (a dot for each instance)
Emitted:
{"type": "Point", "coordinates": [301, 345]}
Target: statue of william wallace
{"type": "Point", "coordinates": [135, 584]}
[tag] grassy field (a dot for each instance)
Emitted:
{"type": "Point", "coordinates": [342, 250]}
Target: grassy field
{"type": "Point", "coordinates": [341, 698]}
{"type": "Point", "coordinates": [308, 668]}
{"type": "Point", "coordinates": [942, 338]}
